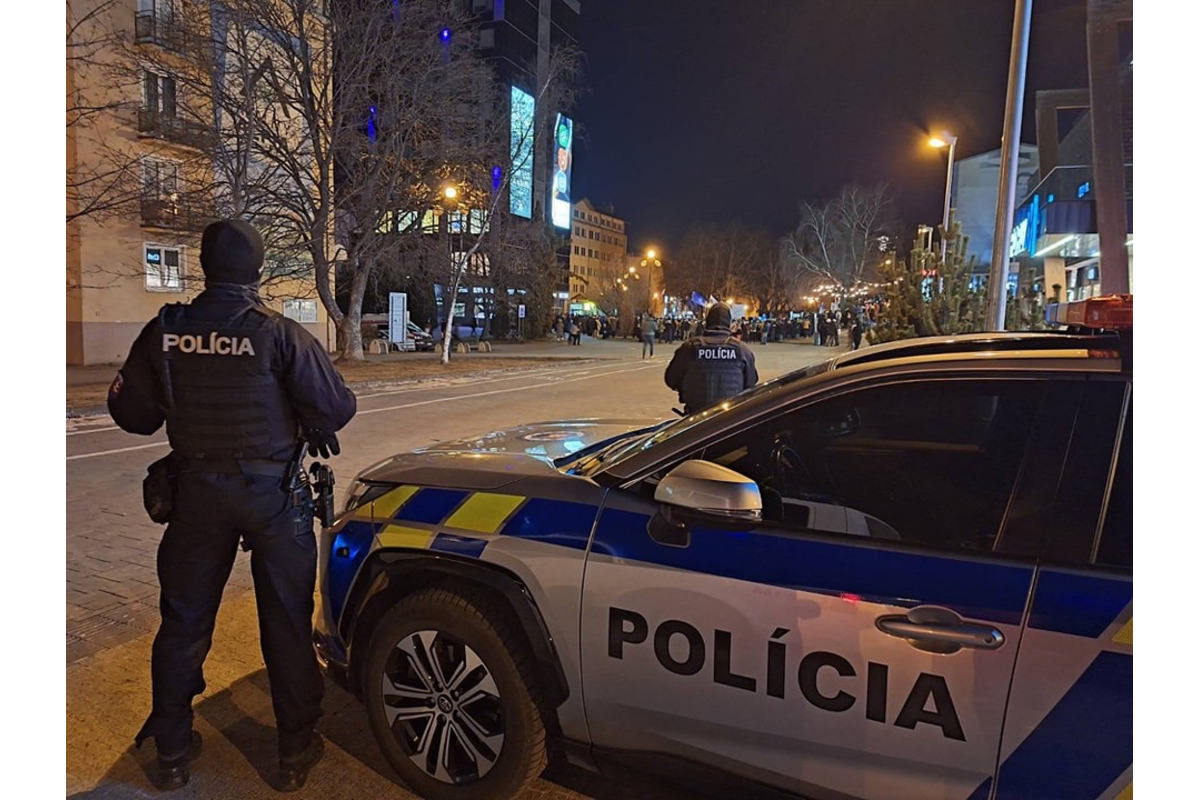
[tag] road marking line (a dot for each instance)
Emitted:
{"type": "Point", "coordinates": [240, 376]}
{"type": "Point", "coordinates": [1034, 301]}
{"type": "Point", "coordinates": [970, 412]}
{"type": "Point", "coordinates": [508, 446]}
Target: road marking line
{"type": "Point", "coordinates": [486, 394]}
{"type": "Point", "coordinates": [390, 408]}
{"type": "Point", "coordinates": [532, 372]}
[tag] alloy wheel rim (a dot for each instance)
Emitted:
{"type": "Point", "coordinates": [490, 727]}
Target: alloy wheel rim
{"type": "Point", "coordinates": [443, 707]}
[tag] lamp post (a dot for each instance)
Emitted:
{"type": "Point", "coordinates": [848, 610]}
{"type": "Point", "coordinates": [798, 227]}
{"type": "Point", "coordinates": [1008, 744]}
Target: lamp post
{"type": "Point", "coordinates": [948, 141]}
{"type": "Point", "coordinates": [649, 264]}
{"type": "Point", "coordinates": [449, 202]}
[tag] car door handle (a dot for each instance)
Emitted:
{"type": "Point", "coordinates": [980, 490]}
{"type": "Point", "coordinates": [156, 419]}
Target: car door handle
{"type": "Point", "coordinates": [941, 631]}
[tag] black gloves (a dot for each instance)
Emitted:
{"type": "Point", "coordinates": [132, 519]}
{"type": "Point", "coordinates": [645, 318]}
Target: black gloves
{"type": "Point", "coordinates": [322, 444]}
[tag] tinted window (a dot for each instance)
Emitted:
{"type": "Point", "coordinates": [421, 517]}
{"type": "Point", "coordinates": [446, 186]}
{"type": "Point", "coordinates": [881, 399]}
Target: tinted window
{"type": "Point", "coordinates": [1116, 541]}
{"type": "Point", "coordinates": [933, 461]}
{"type": "Point", "coordinates": [1055, 513]}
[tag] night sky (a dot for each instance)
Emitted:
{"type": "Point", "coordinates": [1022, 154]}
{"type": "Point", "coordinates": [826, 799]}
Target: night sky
{"type": "Point", "coordinates": [719, 110]}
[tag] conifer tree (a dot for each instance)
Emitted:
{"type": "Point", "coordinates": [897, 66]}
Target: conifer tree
{"type": "Point", "coordinates": [929, 295]}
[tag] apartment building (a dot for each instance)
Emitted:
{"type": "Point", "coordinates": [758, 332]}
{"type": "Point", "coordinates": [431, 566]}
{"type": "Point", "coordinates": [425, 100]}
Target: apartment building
{"type": "Point", "coordinates": [598, 252]}
{"type": "Point", "coordinates": [142, 135]}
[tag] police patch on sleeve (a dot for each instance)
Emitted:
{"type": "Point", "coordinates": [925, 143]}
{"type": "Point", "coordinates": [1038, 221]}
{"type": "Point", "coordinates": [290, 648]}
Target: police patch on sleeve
{"type": "Point", "coordinates": [118, 382]}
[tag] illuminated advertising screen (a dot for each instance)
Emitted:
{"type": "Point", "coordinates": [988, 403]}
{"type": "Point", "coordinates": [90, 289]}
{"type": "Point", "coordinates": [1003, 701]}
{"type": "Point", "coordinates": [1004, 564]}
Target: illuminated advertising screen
{"type": "Point", "coordinates": [560, 192]}
{"type": "Point", "coordinates": [520, 189]}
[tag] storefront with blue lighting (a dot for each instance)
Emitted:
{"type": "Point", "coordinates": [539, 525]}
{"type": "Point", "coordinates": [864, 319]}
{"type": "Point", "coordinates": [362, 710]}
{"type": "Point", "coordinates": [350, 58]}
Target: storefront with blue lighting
{"type": "Point", "coordinates": [1055, 239]}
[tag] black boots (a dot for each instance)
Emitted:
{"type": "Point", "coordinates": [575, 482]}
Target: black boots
{"type": "Point", "coordinates": [174, 772]}
{"type": "Point", "coordinates": [293, 770]}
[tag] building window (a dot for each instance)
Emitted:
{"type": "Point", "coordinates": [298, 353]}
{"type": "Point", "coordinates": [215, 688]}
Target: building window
{"type": "Point", "coordinates": [487, 39]}
{"type": "Point", "coordinates": [164, 268]}
{"type": "Point", "coordinates": [158, 93]}
{"type": "Point", "coordinates": [300, 310]}
{"type": "Point", "coordinates": [160, 179]}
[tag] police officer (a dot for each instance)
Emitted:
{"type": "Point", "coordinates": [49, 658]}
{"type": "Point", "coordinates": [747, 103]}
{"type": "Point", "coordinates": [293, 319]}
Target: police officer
{"type": "Point", "coordinates": [240, 388]}
{"type": "Point", "coordinates": [713, 366]}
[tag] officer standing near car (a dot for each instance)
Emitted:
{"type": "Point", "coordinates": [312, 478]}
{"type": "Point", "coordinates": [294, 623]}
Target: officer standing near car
{"type": "Point", "coordinates": [241, 389]}
{"type": "Point", "coordinates": [713, 366]}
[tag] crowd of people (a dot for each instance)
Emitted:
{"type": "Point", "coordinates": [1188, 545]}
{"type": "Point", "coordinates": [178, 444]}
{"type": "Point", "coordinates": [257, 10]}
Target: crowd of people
{"type": "Point", "coordinates": [826, 328]}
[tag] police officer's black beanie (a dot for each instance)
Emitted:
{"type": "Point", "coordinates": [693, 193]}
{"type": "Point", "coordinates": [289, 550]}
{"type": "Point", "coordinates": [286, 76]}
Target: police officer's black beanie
{"type": "Point", "coordinates": [231, 251]}
{"type": "Point", "coordinates": [719, 316]}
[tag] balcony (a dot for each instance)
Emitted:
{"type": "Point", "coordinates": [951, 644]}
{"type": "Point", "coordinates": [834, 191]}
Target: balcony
{"type": "Point", "coordinates": [161, 125]}
{"type": "Point", "coordinates": [176, 212]}
{"type": "Point", "coordinates": [150, 28]}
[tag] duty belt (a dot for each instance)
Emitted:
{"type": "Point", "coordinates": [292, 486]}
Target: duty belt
{"type": "Point", "coordinates": [234, 466]}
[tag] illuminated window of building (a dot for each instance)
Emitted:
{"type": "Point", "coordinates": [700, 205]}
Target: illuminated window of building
{"type": "Point", "coordinates": [164, 267]}
{"type": "Point", "coordinates": [406, 221]}
{"type": "Point", "coordinates": [300, 310]}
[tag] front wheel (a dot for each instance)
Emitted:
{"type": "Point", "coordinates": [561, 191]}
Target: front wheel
{"type": "Point", "coordinates": [452, 698]}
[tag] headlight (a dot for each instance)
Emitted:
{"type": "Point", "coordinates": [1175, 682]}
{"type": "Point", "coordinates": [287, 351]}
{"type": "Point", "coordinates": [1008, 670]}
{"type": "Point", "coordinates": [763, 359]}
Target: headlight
{"type": "Point", "coordinates": [364, 492]}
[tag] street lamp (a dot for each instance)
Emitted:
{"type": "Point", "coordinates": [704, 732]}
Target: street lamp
{"type": "Point", "coordinates": [948, 141]}
{"type": "Point", "coordinates": [649, 264]}
{"type": "Point", "coordinates": [449, 201]}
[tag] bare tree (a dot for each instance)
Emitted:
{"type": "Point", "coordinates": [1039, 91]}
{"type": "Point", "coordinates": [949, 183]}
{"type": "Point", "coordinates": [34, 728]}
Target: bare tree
{"type": "Point", "coordinates": [104, 187]}
{"type": "Point", "coordinates": [839, 240]}
{"type": "Point", "coordinates": [475, 209]}
{"type": "Point", "coordinates": [773, 278]}
{"type": "Point", "coordinates": [715, 260]}
{"type": "Point", "coordinates": [241, 97]}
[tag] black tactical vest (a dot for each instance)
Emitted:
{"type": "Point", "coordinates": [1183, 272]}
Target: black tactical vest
{"type": "Point", "coordinates": [717, 371]}
{"type": "Point", "coordinates": [225, 400]}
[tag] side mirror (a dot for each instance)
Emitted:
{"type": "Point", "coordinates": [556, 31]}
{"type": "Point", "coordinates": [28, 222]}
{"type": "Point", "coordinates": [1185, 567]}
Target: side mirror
{"type": "Point", "coordinates": [711, 489]}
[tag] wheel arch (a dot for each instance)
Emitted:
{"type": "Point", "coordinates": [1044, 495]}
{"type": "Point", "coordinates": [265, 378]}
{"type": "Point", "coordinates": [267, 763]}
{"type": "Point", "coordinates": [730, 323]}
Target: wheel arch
{"type": "Point", "coordinates": [392, 575]}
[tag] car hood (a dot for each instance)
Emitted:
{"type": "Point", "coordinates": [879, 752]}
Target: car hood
{"type": "Point", "coordinates": [501, 457]}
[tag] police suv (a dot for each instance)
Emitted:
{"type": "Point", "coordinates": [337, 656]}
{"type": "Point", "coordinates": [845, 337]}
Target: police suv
{"type": "Point", "coordinates": [902, 573]}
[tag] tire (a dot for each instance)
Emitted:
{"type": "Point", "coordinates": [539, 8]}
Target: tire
{"type": "Point", "coordinates": [487, 743]}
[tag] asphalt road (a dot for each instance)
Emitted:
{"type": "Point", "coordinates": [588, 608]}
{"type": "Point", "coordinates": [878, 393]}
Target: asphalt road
{"type": "Point", "coordinates": [112, 589]}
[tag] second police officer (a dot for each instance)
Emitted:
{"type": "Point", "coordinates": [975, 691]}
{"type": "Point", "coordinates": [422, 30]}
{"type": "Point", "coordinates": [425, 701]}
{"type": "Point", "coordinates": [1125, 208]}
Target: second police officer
{"type": "Point", "coordinates": [239, 388]}
{"type": "Point", "coordinates": [709, 368]}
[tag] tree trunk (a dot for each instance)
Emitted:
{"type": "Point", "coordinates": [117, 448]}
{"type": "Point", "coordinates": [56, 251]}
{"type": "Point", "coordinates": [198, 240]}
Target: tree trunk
{"type": "Point", "coordinates": [350, 325]}
{"type": "Point", "coordinates": [448, 325]}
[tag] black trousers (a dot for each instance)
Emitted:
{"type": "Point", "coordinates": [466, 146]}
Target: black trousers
{"type": "Point", "coordinates": [213, 512]}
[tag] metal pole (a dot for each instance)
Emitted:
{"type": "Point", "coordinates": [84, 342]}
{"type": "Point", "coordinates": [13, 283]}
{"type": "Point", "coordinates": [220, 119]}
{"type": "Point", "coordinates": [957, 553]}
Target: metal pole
{"type": "Point", "coordinates": [1010, 151]}
{"type": "Point", "coordinates": [946, 204]}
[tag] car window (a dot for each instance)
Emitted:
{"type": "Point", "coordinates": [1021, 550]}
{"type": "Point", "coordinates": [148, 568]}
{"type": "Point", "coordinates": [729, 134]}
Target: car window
{"type": "Point", "coordinates": [1116, 539]}
{"type": "Point", "coordinates": [930, 463]}
{"type": "Point", "coordinates": [1055, 513]}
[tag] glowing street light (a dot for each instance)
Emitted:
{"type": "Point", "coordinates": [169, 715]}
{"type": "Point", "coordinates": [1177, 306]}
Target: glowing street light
{"type": "Point", "coordinates": [948, 141]}
{"type": "Point", "coordinates": [450, 192]}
